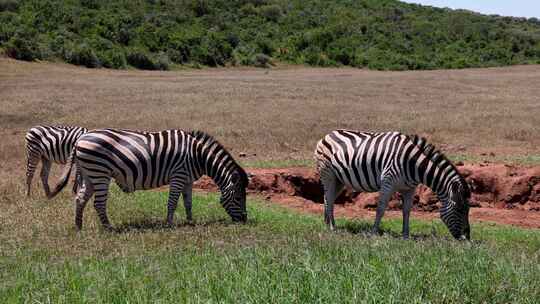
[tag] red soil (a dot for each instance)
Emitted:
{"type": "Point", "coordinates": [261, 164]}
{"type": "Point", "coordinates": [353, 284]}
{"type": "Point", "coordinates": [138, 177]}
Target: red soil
{"type": "Point", "coordinates": [500, 193]}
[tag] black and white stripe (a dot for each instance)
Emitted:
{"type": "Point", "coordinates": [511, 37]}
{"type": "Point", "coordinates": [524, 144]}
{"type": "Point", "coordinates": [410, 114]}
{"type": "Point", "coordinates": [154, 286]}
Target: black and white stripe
{"type": "Point", "coordinates": [142, 160]}
{"type": "Point", "coordinates": [390, 162]}
{"type": "Point", "coordinates": [49, 144]}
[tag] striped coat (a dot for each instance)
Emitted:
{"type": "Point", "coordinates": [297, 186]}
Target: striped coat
{"type": "Point", "coordinates": [391, 162]}
{"type": "Point", "coordinates": [144, 160]}
{"type": "Point", "coordinates": [49, 144]}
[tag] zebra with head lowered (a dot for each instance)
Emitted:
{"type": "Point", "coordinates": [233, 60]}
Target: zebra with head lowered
{"type": "Point", "coordinates": [143, 160]}
{"type": "Point", "coordinates": [390, 162]}
{"type": "Point", "coordinates": [50, 144]}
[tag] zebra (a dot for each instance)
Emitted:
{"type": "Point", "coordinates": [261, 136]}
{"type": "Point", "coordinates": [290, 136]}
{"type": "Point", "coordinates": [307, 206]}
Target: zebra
{"type": "Point", "coordinates": [389, 162]}
{"type": "Point", "coordinates": [139, 160]}
{"type": "Point", "coordinates": [49, 144]}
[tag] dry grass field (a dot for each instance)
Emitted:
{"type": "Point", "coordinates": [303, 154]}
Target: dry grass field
{"type": "Point", "coordinates": [279, 114]}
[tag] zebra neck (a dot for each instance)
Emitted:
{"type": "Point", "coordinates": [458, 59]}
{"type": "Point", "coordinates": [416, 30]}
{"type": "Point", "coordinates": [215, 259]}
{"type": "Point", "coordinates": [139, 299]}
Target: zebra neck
{"type": "Point", "coordinates": [221, 175]}
{"type": "Point", "coordinates": [217, 166]}
{"type": "Point", "coordinates": [438, 176]}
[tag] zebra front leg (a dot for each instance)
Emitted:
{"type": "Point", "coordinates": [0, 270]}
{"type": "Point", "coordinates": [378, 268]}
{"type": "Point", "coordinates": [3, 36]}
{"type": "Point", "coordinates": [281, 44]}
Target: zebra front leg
{"type": "Point", "coordinates": [30, 170]}
{"type": "Point", "coordinates": [45, 169]}
{"type": "Point", "coordinates": [84, 194]}
{"type": "Point", "coordinates": [385, 195]}
{"type": "Point", "coordinates": [177, 185]}
{"type": "Point", "coordinates": [407, 205]}
{"type": "Point", "coordinates": [101, 188]}
{"type": "Point", "coordinates": [186, 194]}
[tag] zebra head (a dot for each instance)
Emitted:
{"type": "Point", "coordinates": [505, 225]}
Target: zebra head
{"type": "Point", "coordinates": [215, 161]}
{"type": "Point", "coordinates": [455, 212]}
{"type": "Point", "coordinates": [233, 195]}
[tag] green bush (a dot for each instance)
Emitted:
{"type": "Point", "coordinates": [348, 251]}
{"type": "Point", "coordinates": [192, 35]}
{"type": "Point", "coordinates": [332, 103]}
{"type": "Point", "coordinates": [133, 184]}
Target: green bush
{"type": "Point", "coordinates": [23, 45]}
{"type": "Point", "coordinates": [152, 34]}
{"type": "Point", "coordinates": [262, 61]}
{"type": "Point", "coordinates": [163, 62]}
{"type": "Point", "coordinates": [141, 60]}
{"type": "Point", "coordinates": [114, 59]}
{"type": "Point", "coordinates": [271, 12]}
{"type": "Point", "coordinates": [7, 28]}
{"type": "Point", "coordinates": [9, 5]}
{"type": "Point", "coordinates": [81, 54]}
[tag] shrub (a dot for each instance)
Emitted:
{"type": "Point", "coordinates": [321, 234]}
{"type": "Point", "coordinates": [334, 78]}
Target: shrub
{"type": "Point", "coordinates": [243, 55]}
{"type": "Point", "coordinates": [201, 7]}
{"type": "Point", "coordinates": [23, 45]}
{"type": "Point", "coordinates": [262, 61]}
{"type": "Point", "coordinates": [141, 60]}
{"type": "Point", "coordinates": [7, 29]}
{"type": "Point", "coordinates": [145, 61]}
{"type": "Point", "coordinates": [163, 62]}
{"type": "Point", "coordinates": [82, 54]}
{"type": "Point", "coordinates": [9, 5]}
{"type": "Point", "coordinates": [213, 50]}
{"type": "Point", "coordinates": [271, 12]}
{"type": "Point", "coordinates": [113, 59]}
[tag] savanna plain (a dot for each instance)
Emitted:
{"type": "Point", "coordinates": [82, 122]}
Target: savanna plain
{"type": "Point", "coordinates": [274, 117]}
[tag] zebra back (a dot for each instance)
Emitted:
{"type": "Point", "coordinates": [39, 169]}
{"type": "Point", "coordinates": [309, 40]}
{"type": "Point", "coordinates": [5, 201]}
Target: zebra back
{"type": "Point", "coordinates": [52, 142]}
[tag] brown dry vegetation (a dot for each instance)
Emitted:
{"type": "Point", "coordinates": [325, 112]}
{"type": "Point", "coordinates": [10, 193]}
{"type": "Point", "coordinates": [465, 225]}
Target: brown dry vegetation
{"type": "Point", "coordinates": [279, 114]}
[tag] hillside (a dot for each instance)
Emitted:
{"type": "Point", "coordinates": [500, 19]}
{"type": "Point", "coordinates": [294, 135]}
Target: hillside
{"type": "Point", "coordinates": [157, 34]}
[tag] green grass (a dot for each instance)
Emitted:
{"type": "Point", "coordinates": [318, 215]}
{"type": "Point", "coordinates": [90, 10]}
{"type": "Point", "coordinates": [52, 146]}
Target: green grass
{"type": "Point", "coordinates": [279, 256]}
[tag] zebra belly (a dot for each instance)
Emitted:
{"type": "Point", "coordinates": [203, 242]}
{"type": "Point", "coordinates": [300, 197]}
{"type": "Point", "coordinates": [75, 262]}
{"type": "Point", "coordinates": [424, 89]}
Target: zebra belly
{"type": "Point", "coordinates": [129, 187]}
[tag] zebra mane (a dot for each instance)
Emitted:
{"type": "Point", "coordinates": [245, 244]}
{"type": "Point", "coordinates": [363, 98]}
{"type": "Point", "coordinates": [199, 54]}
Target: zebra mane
{"type": "Point", "coordinates": [206, 138]}
{"type": "Point", "coordinates": [437, 156]}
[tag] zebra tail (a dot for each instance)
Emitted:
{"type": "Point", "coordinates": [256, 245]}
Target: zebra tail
{"type": "Point", "coordinates": [63, 181]}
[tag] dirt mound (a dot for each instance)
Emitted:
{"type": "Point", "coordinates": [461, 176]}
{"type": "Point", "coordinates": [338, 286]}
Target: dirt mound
{"type": "Point", "coordinates": [494, 187]}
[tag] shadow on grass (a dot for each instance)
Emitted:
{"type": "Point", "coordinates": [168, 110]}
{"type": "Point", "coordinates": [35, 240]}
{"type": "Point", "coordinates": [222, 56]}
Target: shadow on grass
{"type": "Point", "coordinates": [152, 225]}
{"type": "Point", "coordinates": [364, 229]}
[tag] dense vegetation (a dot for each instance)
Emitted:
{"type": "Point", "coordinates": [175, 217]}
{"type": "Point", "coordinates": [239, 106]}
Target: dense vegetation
{"type": "Point", "coordinates": [278, 257]}
{"type": "Point", "coordinates": [153, 34]}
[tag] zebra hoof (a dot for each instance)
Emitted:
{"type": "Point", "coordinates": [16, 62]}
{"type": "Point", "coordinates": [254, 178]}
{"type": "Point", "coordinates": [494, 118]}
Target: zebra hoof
{"type": "Point", "coordinates": [108, 228]}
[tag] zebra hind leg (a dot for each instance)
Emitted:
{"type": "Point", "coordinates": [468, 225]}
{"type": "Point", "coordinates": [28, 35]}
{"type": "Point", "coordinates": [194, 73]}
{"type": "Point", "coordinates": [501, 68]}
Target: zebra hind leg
{"type": "Point", "coordinates": [77, 182]}
{"type": "Point", "coordinates": [332, 188]}
{"type": "Point", "coordinates": [407, 205]}
{"type": "Point", "coordinates": [385, 194]}
{"type": "Point", "coordinates": [101, 188]}
{"type": "Point", "coordinates": [45, 169]}
{"type": "Point", "coordinates": [84, 194]}
{"type": "Point", "coordinates": [30, 170]}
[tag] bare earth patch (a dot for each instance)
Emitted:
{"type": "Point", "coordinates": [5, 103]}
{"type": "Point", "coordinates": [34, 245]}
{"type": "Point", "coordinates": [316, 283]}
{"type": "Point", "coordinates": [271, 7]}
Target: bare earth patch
{"type": "Point", "coordinates": [500, 193]}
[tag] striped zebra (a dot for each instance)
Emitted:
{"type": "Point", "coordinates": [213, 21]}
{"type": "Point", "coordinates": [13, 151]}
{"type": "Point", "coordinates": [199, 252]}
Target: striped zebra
{"type": "Point", "coordinates": [142, 160]}
{"type": "Point", "coordinates": [390, 162]}
{"type": "Point", "coordinates": [49, 144]}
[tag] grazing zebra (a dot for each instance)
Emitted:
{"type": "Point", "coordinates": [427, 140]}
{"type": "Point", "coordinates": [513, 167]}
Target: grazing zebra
{"type": "Point", "coordinates": [143, 160]}
{"type": "Point", "coordinates": [390, 162]}
{"type": "Point", "coordinates": [49, 144]}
